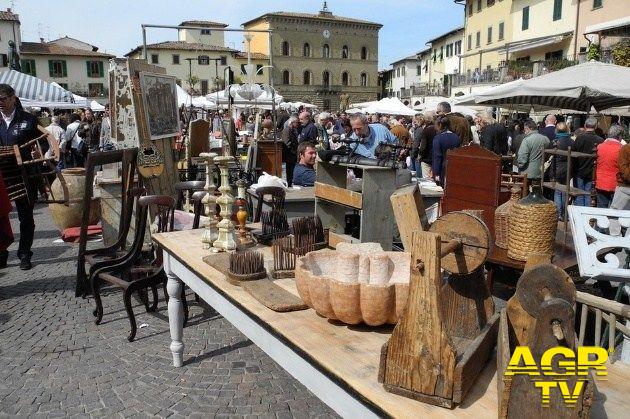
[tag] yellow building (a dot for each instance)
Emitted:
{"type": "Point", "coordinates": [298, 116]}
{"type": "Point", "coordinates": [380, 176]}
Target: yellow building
{"type": "Point", "coordinates": [602, 22]}
{"type": "Point", "coordinates": [487, 29]}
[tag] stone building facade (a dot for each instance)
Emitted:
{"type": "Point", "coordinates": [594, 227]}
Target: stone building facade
{"type": "Point", "coordinates": [319, 57]}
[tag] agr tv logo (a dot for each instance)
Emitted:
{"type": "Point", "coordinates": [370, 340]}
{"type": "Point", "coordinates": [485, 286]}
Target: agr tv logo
{"type": "Point", "coordinates": [568, 365]}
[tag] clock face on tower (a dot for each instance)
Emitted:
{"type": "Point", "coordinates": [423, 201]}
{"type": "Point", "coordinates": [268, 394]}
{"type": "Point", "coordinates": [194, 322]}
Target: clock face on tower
{"type": "Point", "coordinates": [326, 33]}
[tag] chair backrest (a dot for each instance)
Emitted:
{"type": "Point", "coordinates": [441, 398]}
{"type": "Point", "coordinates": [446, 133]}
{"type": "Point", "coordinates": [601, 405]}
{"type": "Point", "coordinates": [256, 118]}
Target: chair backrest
{"type": "Point", "coordinates": [189, 186]}
{"type": "Point", "coordinates": [277, 199]}
{"type": "Point", "coordinates": [164, 210]}
{"type": "Point", "coordinates": [198, 208]}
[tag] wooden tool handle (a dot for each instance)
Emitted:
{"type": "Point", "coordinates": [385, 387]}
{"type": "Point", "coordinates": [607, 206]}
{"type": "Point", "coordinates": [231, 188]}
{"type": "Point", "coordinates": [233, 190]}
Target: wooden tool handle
{"type": "Point", "coordinates": [450, 247]}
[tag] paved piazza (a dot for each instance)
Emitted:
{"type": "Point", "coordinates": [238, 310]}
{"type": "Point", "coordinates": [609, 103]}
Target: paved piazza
{"type": "Point", "coordinates": [56, 362]}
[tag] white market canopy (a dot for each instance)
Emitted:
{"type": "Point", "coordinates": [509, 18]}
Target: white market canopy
{"type": "Point", "coordinates": [390, 106]}
{"type": "Point", "coordinates": [96, 107]}
{"type": "Point", "coordinates": [264, 101]}
{"type": "Point", "coordinates": [33, 89]}
{"type": "Point", "coordinates": [580, 87]}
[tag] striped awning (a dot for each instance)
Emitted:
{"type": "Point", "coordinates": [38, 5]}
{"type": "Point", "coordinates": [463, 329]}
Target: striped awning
{"type": "Point", "coordinates": [581, 87]}
{"type": "Point", "coordinates": [33, 89]}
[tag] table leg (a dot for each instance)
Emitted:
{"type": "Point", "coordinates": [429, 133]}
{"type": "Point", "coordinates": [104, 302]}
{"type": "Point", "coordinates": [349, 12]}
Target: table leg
{"type": "Point", "coordinates": [175, 316]}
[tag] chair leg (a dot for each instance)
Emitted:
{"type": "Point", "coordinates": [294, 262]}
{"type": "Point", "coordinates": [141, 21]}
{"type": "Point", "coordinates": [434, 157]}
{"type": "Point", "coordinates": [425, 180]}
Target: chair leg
{"type": "Point", "coordinates": [197, 298]}
{"type": "Point", "coordinates": [155, 298]}
{"type": "Point", "coordinates": [185, 305]}
{"type": "Point", "coordinates": [132, 317]}
{"type": "Point", "coordinates": [98, 312]}
{"type": "Point", "coordinates": [143, 293]}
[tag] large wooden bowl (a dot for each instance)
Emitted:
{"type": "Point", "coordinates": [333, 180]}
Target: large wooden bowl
{"type": "Point", "coordinates": [370, 288]}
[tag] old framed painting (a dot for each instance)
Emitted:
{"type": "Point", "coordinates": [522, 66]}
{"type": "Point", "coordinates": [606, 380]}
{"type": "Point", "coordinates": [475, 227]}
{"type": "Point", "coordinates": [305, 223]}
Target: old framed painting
{"type": "Point", "coordinates": [159, 99]}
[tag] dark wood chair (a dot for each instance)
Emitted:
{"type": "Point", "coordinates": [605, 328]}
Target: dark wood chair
{"type": "Point", "coordinates": [190, 187]}
{"type": "Point", "coordinates": [133, 272]}
{"type": "Point", "coordinates": [198, 208]}
{"type": "Point", "coordinates": [277, 195]}
{"type": "Point", "coordinates": [128, 159]}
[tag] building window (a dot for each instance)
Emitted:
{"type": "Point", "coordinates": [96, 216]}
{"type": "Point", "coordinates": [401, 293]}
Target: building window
{"type": "Point", "coordinates": [345, 80]}
{"type": "Point", "coordinates": [204, 87]}
{"type": "Point", "coordinates": [404, 71]}
{"type": "Point", "coordinates": [94, 68]}
{"type": "Point", "coordinates": [326, 104]}
{"type": "Point", "coordinates": [479, 5]}
{"type": "Point", "coordinates": [345, 53]}
{"type": "Point", "coordinates": [243, 69]}
{"type": "Point", "coordinates": [470, 8]}
{"type": "Point", "coordinates": [175, 58]}
{"type": "Point", "coordinates": [206, 32]}
{"type": "Point", "coordinates": [398, 72]}
{"type": "Point", "coordinates": [203, 60]}
{"type": "Point", "coordinates": [525, 23]}
{"type": "Point", "coordinates": [155, 59]}
{"type": "Point", "coordinates": [478, 39]}
{"type": "Point", "coordinates": [96, 89]}
{"type": "Point", "coordinates": [441, 52]}
{"type": "Point", "coordinates": [449, 49]}
{"type": "Point", "coordinates": [501, 31]}
{"type": "Point", "coordinates": [28, 67]}
{"type": "Point", "coordinates": [57, 68]}
{"type": "Point", "coordinates": [259, 69]}
{"type": "Point", "coordinates": [285, 48]}
{"type": "Point", "coordinates": [490, 34]}
{"type": "Point", "coordinates": [418, 70]}
{"type": "Point", "coordinates": [63, 85]}
{"type": "Point", "coordinates": [458, 47]}
{"type": "Point", "coordinates": [326, 51]}
{"type": "Point", "coordinates": [307, 78]}
{"type": "Point", "coordinates": [490, 3]}
{"type": "Point", "coordinates": [364, 53]}
{"type": "Point", "coordinates": [326, 78]}
{"type": "Point", "coordinates": [469, 42]}
{"type": "Point", "coordinates": [306, 51]}
{"type": "Point", "coordinates": [363, 80]}
{"type": "Point", "coordinates": [286, 77]}
{"type": "Point", "coordinates": [557, 10]}
{"type": "Point", "coordinates": [597, 4]}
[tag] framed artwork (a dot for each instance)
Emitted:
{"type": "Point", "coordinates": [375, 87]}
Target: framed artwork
{"type": "Point", "coordinates": [159, 99]}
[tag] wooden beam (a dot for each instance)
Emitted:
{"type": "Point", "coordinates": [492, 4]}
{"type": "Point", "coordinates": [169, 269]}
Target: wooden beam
{"type": "Point", "coordinates": [409, 212]}
{"type": "Point", "coordinates": [339, 195]}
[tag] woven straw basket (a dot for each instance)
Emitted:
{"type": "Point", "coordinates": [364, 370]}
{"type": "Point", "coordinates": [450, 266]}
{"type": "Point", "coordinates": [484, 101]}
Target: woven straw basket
{"type": "Point", "coordinates": [502, 217]}
{"type": "Point", "coordinates": [532, 229]}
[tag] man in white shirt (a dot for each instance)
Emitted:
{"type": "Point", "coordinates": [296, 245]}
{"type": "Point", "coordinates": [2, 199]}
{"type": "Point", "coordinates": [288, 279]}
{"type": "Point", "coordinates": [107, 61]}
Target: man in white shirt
{"type": "Point", "coordinates": [57, 133]}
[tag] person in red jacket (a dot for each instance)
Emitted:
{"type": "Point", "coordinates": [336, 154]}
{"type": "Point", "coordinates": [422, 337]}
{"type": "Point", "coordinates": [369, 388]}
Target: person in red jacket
{"type": "Point", "coordinates": [6, 234]}
{"type": "Point", "coordinates": [607, 166]}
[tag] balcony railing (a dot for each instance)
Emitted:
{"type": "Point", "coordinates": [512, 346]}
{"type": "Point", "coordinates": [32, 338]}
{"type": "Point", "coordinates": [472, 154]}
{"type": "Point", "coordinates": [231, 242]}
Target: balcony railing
{"type": "Point", "coordinates": [424, 89]}
{"type": "Point", "coordinates": [511, 70]}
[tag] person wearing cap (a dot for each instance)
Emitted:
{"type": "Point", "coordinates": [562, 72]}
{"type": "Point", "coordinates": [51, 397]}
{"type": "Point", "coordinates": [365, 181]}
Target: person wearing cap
{"type": "Point", "coordinates": [18, 127]}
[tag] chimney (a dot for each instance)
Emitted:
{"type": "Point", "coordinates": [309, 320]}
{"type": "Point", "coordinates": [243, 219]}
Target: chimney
{"type": "Point", "coordinates": [41, 40]}
{"type": "Point", "coordinates": [9, 9]}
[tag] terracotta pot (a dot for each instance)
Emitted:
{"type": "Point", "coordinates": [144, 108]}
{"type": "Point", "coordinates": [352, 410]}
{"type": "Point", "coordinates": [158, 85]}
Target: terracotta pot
{"type": "Point", "coordinates": [70, 214]}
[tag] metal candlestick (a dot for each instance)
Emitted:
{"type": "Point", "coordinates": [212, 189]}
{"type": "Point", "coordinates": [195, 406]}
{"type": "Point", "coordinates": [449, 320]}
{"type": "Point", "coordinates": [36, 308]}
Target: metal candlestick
{"type": "Point", "coordinates": [210, 233]}
{"type": "Point", "coordinates": [227, 240]}
{"type": "Point", "coordinates": [244, 239]}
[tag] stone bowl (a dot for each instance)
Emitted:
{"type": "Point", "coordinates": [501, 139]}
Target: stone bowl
{"type": "Point", "coordinates": [354, 288]}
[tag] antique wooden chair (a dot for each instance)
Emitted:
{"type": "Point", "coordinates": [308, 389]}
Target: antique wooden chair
{"type": "Point", "coordinates": [128, 159]}
{"type": "Point", "coordinates": [189, 187]}
{"type": "Point", "coordinates": [198, 207]}
{"type": "Point", "coordinates": [133, 272]}
{"type": "Point", "coordinates": [277, 199]}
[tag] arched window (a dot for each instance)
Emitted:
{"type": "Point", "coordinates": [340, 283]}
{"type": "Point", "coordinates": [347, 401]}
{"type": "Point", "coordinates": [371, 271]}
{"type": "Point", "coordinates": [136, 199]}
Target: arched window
{"type": "Point", "coordinates": [364, 53]}
{"type": "Point", "coordinates": [345, 53]}
{"type": "Point", "coordinates": [307, 50]}
{"type": "Point", "coordinates": [286, 77]}
{"type": "Point", "coordinates": [326, 78]}
{"type": "Point", "coordinates": [345, 79]}
{"type": "Point", "coordinates": [326, 51]}
{"type": "Point", "coordinates": [285, 48]}
{"type": "Point", "coordinates": [307, 78]}
{"type": "Point", "coordinates": [363, 79]}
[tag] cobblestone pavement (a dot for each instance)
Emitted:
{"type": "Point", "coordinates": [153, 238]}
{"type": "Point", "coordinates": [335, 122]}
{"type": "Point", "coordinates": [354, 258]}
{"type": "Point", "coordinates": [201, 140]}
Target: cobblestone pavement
{"type": "Point", "coordinates": [56, 362]}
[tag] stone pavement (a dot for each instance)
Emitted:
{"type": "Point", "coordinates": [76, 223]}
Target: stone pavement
{"type": "Point", "coordinates": [56, 362]}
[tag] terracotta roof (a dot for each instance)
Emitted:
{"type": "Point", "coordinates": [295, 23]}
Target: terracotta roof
{"type": "Point", "coordinates": [45, 48]}
{"type": "Point", "coordinates": [327, 17]}
{"type": "Point", "coordinates": [203, 23]}
{"type": "Point", "coordinates": [181, 45]}
{"type": "Point", "coordinates": [444, 35]}
{"type": "Point", "coordinates": [255, 55]}
{"type": "Point", "coordinates": [8, 15]}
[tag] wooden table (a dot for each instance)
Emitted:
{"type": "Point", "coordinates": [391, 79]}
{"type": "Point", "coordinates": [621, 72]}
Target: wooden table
{"type": "Point", "coordinates": [339, 364]}
{"type": "Point", "coordinates": [297, 202]}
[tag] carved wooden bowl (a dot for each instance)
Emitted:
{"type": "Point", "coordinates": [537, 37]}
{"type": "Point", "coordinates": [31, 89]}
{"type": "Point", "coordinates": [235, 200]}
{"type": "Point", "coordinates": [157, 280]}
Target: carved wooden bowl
{"type": "Point", "coordinates": [355, 287]}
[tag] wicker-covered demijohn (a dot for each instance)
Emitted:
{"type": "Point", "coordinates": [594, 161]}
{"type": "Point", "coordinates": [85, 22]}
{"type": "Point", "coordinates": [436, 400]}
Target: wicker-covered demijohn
{"type": "Point", "coordinates": [533, 222]}
{"type": "Point", "coordinates": [502, 217]}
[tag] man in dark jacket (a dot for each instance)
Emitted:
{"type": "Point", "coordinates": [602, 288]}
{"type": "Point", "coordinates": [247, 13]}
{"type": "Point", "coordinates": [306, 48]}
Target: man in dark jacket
{"type": "Point", "coordinates": [549, 130]}
{"type": "Point", "coordinates": [18, 127]}
{"type": "Point", "coordinates": [308, 131]}
{"type": "Point", "coordinates": [457, 123]}
{"type": "Point", "coordinates": [492, 135]}
{"type": "Point", "coordinates": [585, 143]}
{"type": "Point", "coordinates": [425, 148]}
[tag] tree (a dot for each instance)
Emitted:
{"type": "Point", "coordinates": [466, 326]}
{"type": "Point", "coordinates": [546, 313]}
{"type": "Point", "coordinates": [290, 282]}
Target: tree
{"type": "Point", "coordinates": [192, 82]}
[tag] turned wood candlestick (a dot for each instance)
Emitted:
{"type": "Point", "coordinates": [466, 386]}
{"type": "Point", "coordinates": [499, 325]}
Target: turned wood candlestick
{"type": "Point", "coordinates": [244, 240]}
{"type": "Point", "coordinates": [210, 233]}
{"type": "Point", "coordinates": [226, 240]}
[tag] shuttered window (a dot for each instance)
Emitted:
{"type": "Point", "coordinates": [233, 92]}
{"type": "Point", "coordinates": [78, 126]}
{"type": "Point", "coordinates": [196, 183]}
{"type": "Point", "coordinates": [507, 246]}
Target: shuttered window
{"type": "Point", "coordinates": [597, 4]}
{"type": "Point", "coordinates": [525, 24]}
{"type": "Point", "coordinates": [94, 68]}
{"type": "Point", "coordinates": [28, 67]}
{"type": "Point", "coordinates": [557, 9]}
{"type": "Point", "coordinates": [57, 68]}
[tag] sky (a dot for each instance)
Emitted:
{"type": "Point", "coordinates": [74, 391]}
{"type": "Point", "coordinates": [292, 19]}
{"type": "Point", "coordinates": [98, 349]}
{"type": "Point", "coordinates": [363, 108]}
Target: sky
{"type": "Point", "coordinates": [114, 25]}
